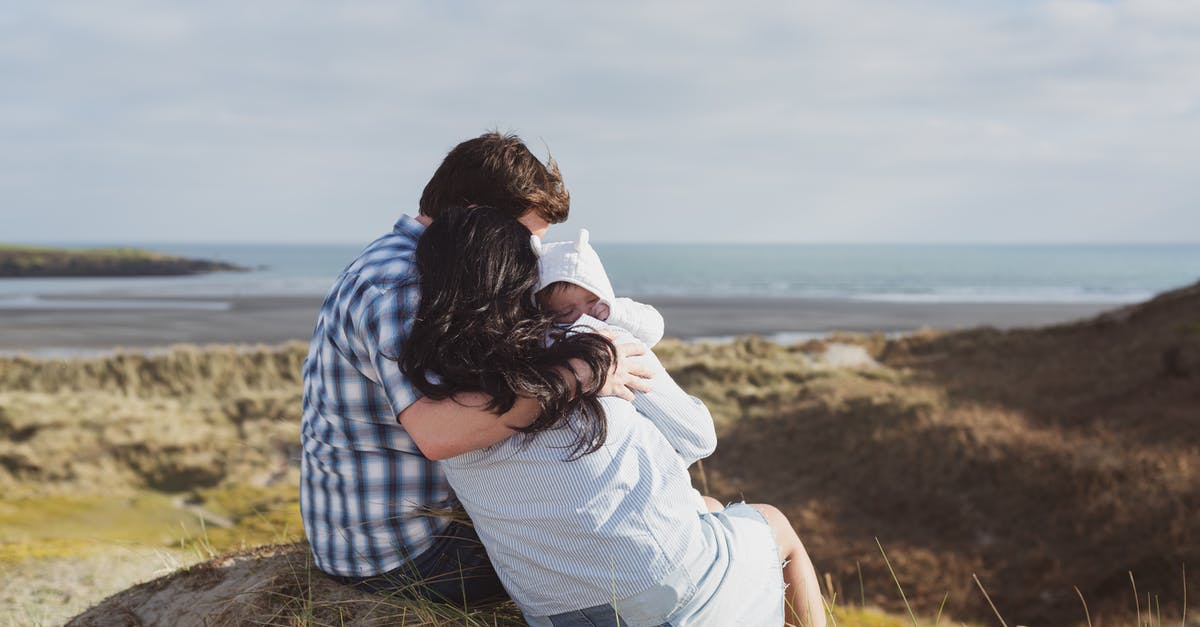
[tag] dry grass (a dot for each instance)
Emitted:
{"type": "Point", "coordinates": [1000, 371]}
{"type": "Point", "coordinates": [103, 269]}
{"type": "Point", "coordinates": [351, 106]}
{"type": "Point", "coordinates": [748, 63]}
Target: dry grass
{"type": "Point", "coordinates": [1038, 460]}
{"type": "Point", "coordinates": [277, 585]}
{"type": "Point", "coordinates": [180, 456]}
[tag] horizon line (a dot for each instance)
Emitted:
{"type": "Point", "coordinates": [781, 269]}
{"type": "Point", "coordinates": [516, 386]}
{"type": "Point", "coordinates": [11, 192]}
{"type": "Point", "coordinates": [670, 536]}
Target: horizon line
{"type": "Point", "coordinates": [364, 242]}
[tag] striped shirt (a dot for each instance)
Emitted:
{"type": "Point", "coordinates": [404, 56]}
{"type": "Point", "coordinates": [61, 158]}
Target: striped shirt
{"type": "Point", "coordinates": [362, 477]}
{"type": "Point", "coordinates": [613, 524]}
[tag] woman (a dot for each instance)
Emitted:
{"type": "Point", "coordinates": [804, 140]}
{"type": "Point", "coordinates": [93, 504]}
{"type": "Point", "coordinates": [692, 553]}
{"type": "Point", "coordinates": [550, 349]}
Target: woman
{"type": "Point", "coordinates": [588, 516]}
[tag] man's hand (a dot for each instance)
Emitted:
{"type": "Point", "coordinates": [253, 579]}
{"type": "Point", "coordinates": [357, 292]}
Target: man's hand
{"type": "Point", "coordinates": [626, 376]}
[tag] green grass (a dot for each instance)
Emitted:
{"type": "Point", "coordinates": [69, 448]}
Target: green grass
{"type": "Point", "coordinates": [260, 515]}
{"type": "Point", "coordinates": [106, 253]}
{"type": "Point", "coordinates": [71, 526]}
{"type": "Point", "coordinates": [19, 260]}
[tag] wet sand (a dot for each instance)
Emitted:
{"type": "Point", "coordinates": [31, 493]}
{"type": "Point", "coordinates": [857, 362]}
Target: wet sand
{"type": "Point", "coordinates": [103, 324]}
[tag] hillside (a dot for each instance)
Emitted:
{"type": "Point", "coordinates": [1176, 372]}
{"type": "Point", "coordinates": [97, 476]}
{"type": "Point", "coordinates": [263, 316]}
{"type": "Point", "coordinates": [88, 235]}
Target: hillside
{"type": "Point", "coordinates": [32, 261]}
{"type": "Point", "coordinates": [1039, 459]}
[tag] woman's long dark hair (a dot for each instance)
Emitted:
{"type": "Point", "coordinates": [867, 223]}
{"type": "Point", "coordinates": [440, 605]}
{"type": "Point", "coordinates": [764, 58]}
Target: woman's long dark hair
{"type": "Point", "coordinates": [478, 329]}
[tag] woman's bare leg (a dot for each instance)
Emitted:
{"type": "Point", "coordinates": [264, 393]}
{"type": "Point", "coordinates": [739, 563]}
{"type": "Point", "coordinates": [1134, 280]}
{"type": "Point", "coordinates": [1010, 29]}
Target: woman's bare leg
{"type": "Point", "coordinates": [804, 606]}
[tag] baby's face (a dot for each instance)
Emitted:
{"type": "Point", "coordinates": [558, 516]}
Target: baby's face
{"type": "Point", "coordinates": [567, 302]}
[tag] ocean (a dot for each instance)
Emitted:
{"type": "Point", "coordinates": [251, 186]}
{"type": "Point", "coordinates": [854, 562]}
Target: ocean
{"type": "Point", "coordinates": [1099, 273]}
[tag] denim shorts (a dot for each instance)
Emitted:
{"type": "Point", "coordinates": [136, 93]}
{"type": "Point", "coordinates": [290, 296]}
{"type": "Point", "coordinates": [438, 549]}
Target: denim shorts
{"type": "Point", "coordinates": [454, 569]}
{"type": "Point", "coordinates": [739, 583]}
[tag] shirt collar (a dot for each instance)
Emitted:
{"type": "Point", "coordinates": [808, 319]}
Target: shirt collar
{"type": "Point", "coordinates": [408, 225]}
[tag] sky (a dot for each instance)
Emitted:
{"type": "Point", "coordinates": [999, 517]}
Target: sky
{"type": "Point", "coordinates": [700, 121]}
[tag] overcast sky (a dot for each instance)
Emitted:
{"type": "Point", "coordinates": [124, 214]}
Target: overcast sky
{"type": "Point", "coordinates": [837, 121]}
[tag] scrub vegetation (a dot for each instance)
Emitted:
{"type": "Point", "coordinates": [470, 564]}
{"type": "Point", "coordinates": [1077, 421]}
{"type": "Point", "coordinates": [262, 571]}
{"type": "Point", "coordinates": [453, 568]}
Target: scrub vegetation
{"type": "Point", "coordinates": [1026, 463]}
{"type": "Point", "coordinates": [37, 261]}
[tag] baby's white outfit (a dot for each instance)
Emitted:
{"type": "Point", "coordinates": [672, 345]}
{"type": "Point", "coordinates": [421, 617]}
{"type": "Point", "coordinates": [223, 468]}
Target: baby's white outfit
{"type": "Point", "coordinates": [577, 262]}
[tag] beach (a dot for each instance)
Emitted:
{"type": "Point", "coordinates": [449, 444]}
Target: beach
{"type": "Point", "coordinates": [77, 325]}
{"type": "Point", "coordinates": [709, 292]}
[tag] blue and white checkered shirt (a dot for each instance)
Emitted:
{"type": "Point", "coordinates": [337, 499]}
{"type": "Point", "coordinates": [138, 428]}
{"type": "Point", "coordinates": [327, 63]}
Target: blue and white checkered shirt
{"type": "Point", "coordinates": [362, 476]}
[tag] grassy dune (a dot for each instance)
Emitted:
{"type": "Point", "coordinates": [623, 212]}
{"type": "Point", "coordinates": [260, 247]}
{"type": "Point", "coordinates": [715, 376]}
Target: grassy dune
{"type": "Point", "coordinates": [183, 456]}
{"type": "Point", "coordinates": [1038, 460]}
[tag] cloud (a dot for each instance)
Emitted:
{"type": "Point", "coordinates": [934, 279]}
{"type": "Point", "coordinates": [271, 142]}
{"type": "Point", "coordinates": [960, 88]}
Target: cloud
{"type": "Point", "coordinates": [852, 120]}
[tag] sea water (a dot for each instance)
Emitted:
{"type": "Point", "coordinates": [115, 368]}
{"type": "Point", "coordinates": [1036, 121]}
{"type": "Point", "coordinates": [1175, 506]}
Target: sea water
{"type": "Point", "coordinates": [1042, 273]}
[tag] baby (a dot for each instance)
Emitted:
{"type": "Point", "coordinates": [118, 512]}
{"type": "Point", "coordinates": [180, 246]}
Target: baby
{"type": "Point", "coordinates": [572, 283]}
{"type": "Point", "coordinates": [573, 286]}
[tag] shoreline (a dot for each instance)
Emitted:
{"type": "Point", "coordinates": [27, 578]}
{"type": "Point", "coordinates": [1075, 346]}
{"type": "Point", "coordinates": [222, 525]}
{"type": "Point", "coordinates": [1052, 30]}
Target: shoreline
{"type": "Point", "coordinates": [93, 325]}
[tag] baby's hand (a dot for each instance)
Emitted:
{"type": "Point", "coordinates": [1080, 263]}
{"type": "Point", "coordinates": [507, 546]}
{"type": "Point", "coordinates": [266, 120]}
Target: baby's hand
{"type": "Point", "coordinates": [599, 311]}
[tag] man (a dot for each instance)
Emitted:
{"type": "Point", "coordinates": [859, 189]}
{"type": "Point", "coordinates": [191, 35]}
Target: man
{"type": "Point", "coordinates": [369, 476]}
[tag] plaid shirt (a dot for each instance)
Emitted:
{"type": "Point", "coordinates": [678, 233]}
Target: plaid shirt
{"type": "Point", "coordinates": [362, 476]}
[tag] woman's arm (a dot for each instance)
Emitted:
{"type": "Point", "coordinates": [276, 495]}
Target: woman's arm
{"type": "Point", "coordinates": [683, 419]}
{"type": "Point", "coordinates": [453, 426]}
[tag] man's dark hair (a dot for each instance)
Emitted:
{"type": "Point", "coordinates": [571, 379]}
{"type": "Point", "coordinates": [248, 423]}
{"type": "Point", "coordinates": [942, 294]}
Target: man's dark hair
{"type": "Point", "coordinates": [477, 328]}
{"type": "Point", "coordinates": [498, 171]}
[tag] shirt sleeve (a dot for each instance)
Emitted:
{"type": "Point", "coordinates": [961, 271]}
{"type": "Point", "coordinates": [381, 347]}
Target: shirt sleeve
{"type": "Point", "coordinates": [682, 419]}
{"type": "Point", "coordinates": [386, 322]}
{"type": "Point", "coordinates": [641, 320]}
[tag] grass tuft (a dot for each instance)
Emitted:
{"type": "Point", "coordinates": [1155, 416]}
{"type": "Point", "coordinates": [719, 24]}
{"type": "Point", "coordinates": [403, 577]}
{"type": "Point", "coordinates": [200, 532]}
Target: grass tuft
{"type": "Point", "coordinates": [989, 599]}
{"type": "Point", "coordinates": [1087, 614]}
{"type": "Point", "coordinates": [896, 579]}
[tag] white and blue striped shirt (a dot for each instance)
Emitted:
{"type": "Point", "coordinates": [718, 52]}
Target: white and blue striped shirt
{"type": "Point", "coordinates": [567, 535]}
{"type": "Point", "coordinates": [362, 476]}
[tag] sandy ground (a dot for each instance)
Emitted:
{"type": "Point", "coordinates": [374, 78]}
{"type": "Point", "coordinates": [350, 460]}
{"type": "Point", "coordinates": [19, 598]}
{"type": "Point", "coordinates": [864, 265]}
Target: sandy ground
{"type": "Point", "coordinates": [51, 591]}
{"type": "Point", "coordinates": [49, 330]}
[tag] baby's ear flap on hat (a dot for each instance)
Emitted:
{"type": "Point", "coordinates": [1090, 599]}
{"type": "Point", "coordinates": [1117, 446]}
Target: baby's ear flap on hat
{"type": "Point", "coordinates": [582, 242]}
{"type": "Point", "coordinates": [535, 243]}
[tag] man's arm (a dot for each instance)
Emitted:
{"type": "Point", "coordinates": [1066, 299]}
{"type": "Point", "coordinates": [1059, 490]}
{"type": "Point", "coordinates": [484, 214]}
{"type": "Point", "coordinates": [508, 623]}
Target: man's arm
{"type": "Point", "coordinates": [453, 426]}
